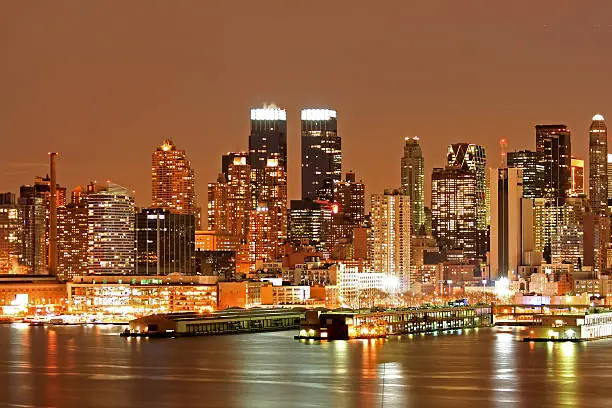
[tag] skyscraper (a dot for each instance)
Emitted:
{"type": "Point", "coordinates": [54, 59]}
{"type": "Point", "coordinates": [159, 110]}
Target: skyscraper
{"type": "Point", "coordinates": [454, 209]}
{"type": "Point", "coordinates": [309, 223]}
{"type": "Point", "coordinates": [239, 198]}
{"type": "Point", "coordinates": [218, 205]}
{"type": "Point", "coordinates": [348, 211]}
{"type": "Point", "coordinates": [554, 143]}
{"type": "Point", "coordinates": [172, 180]}
{"type": "Point", "coordinates": [533, 171]}
{"type": "Point", "coordinates": [321, 154]}
{"type": "Point", "coordinates": [609, 175]}
{"type": "Point", "coordinates": [506, 221]}
{"type": "Point", "coordinates": [10, 234]}
{"type": "Point", "coordinates": [268, 221]}
{"type": "Point", "coordinates": [110, 228]}
{"type": "Point", "coordinates": [165, 242]}
{"type": "Point", "coordinates": [472, 157]}
{"type": "Point", "coordinates": [598, 168]}
{"type": "Point", "coordinates": [72, 240]}
{"type": "Point", "coordinates": [413, 181]}
{"type": "Point", "coordinates": [268, 139]}
{"type": "Point", "coordinates": [391, 233]}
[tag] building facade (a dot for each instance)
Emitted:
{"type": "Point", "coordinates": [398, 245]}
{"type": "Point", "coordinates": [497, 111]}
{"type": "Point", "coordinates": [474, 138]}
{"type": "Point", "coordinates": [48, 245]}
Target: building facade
{"type": "Point", "coordinates": [531, 164]}
{"type": "Point", "coordinates": [454, 209]}
{"type": "Point", "coordinates": [413, 181]}
{"type": "Point", "coordinates": [321, 154]}
{"type": "Point", "coordinates": [598, 166]}
{"type": "Point", "coordinates": [553, 142]}
{"type": "Point", "coordinates": [110, 230]}
{"type": "Point", "coordinates": [172, 180]}
{"type": "Point", "coordinates": [391, 236]}
{"type": "Point", "coordinates": [165, 242]}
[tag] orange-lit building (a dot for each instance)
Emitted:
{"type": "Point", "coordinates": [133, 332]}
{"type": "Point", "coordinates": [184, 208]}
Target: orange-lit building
{"type": "Point", "coordinates": [172, 180]}
{"type": "Point", "coordinates": [28, 294]}
{"type": "Point", "coordinates": [240, 294]}
{"type": "Point", "coordinates": [577, 177]}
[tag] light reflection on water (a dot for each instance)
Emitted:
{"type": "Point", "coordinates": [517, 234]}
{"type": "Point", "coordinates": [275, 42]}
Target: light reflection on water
{"type": "Point", "coordinates": [67, 366]}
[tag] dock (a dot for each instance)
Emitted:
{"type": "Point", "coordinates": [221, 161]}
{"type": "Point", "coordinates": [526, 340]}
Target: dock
{"type": "Point", "coordinates": [344, 325]}
{"type": "Point", "coordinates": [231, 321]}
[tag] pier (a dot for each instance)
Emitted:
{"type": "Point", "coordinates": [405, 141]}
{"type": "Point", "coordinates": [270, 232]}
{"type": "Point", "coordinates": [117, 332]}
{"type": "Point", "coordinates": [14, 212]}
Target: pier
{"type": "Point", "coordinates": [359, 324]}
{"type": "Point", "coordinates": [230, 321]}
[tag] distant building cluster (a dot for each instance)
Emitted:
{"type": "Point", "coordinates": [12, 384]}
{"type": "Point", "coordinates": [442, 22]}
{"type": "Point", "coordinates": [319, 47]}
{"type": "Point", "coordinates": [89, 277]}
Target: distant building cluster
{"type": "Point", "coordinates": [533, 216]}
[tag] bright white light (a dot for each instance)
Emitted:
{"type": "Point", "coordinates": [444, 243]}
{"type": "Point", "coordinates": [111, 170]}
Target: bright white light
{"type": "Point", "coordinates": [318, 114]}
{"type": "Point", "coordinates": [609, 157]}
{"type": "Point", "coordinates": [268, 113]}
{"type": "Point", "coordinates": [272, 163]}
{"type": "Point", "coordinates": [239, 161]}
{"type": "Point", "coordinates": [502, 287]}
{"type": "Point", "coordinates": [598, 117]}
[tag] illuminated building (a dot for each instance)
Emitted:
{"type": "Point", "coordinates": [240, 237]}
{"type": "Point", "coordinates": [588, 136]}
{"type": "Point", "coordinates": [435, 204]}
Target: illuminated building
{"type": "Point", "coordinates": [359, 289]}
{"type": "Point", "coordinates": [142, 295]}
{"type": "Point", "coordinates": [238, 199]}
{"type": "Point", "coordinates": [29, 295]}
{"type": "Point", "coordinates": [554, 144]}
{"type": "Point", "coordinates": [273, 196]}
{"type": "Point", "coordinates": [609, 175]}
{"type": "Point", "coordinates": [547, 217]}
{"type": "Point", "coordinates": [172, 180]}
{"type": "Point", "coordinates": [218, 205]}
{"type": "Point", "coordinates": [413, 181]}
{"type": "Point", "coordinates": [35, 213]}
{"type": "Point", "coordinates": [348, 212]}
{"type": "Point", "coordinates": [472, 157]}
{"type": "Point", "coordinates": [511, 222]}
{"type": "Point", "coordinates": [309, 223]}
{"type": "Point", "coordinates": [567, 243]}
{"type": "Point", "coordinates": [229, 158]}
{"type": "Point", "coordinates": [165, 242]}
{"type": "Point", "coordinates": [321, 154]}
{"type": "Point", "coordinates": [391, 233]}
{"type": "Point", "coordinates": [240, 294]}
{"type": "Point", "coordinates": [268, 140]}
{"type": "Point", "coordinates": [453, 209]}
{"type": "Point", "coordinates": [598, 167]}
{"type": "Point", "coordinates": [533, 171]}
{"type": "Point", "coordinates": [33, 254]}
{"type": "Point", "coordinates": [10, 234]}
{"type": "Point", "coordinates": [110, 228]}
{"type": "Point", "coordinates": [72, 240]}
{"type": "Point", "coordinates": [350, 197]}
{"type": "Point", "coordinates": [577, 174]}
{"type": "Point", "coordinates": [262, 242]}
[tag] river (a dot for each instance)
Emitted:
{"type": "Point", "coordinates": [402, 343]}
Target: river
{"type": "Point", "coordinates": [74, 366]}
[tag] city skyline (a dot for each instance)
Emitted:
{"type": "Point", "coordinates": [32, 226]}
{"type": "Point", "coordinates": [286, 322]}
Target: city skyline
{"type": "Point", "coordinates": [121, 109]}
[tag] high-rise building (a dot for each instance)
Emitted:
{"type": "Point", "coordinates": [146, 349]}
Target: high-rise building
{"type": "Point", "coordinates": [391, 236]}
{"type": "Point", "coordinates": [72, 240]}
{"type": "Point", "coordinates": [263, 245]}
{"type": "Point", "coordinates": [472, 157]}
{"type": "Point", "coordinates": [348, 212]}
{"type": "Point", "coordinates": [172, 180]}
{"type": "Point", "coordinates": [321, 154]}
{"type": "Point", "coordinates": [110, 230]}
{"type": "Point", "coordinates": [10, 234]}
{"type": "Point", "coordinates": [598, 166]}
{"type": "Point", "coordinates": [273, 196]}
{"type": "Point", "coordinates": [507, 219]}
{"type": "Point", "coordinates": [239, 198]}
{"type": "Point", "coordinates": [413, 181]}
{"type": "Point", "coordinates": [609, 175]}
{"type": "Point", "coordinates": [165, 242]}
{"type": "Point", "coordinates": [268, 140]}
{"type": "Point", "coordinates": [533, 171]}
{"type": "Point", "coordinates": [454, 209]}
{"type": "Point", "coordinates": [218, 205]}
{"type": "Point", "coordinates": [554, 143]}
{"type": "Point", "coordinates": [228, 159]}
{"type": "Point", "coordinates": [309, 223]}
{"type": "Point", "coordinates": [577, 173]}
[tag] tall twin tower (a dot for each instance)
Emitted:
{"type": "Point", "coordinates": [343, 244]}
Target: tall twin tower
{"type": "Point", "coordinates": [321, 148]}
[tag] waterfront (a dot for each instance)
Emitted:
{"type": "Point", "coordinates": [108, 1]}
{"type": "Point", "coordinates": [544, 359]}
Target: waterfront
{"type": "Point", "coordinates": [75, 366]}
